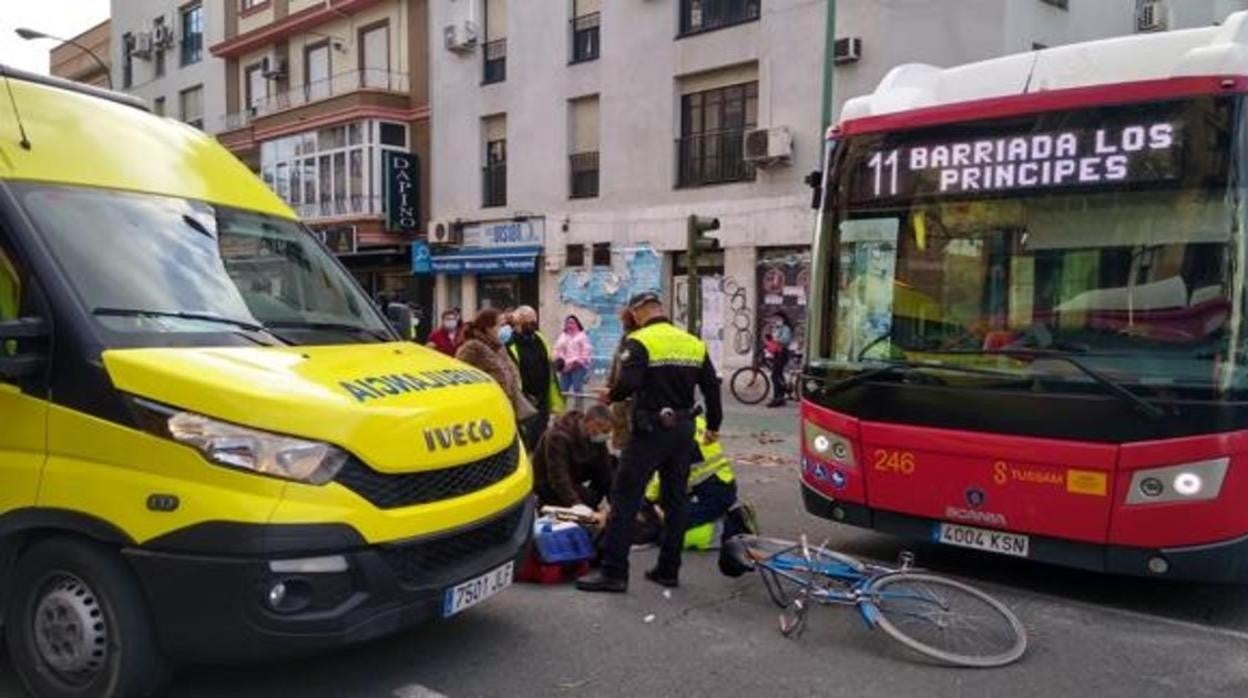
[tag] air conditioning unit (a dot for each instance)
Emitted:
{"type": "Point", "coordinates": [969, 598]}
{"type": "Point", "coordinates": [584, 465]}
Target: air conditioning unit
{"type": "Point", "coordinates": [142, 45]}
{"type": "Point", "coordinates": [460, 36]}
{"type": "Point", "coordinates": [445, 233]}
{"type": "Point", "coordinates": [162, 36]}
{"type": "Point", "coordinates": [1152, 17]}
{"type": "Point", "coordinates": [273, 68]}
{"type": "Point", "coordinates": [847, 50]}
{"type": "Point", "coordinates": [769, 146]}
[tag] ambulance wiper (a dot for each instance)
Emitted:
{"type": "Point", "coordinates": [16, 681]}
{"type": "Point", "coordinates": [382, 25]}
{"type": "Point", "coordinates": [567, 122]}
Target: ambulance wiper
{"type": "Point", "coordinates": [184, 315]}
{"type": "Point", "coordinates": [332, 327]}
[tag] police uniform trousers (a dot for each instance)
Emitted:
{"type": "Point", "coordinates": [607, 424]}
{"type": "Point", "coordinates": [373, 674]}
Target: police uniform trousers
{"type": "Point", "coordinates": [668, 452]}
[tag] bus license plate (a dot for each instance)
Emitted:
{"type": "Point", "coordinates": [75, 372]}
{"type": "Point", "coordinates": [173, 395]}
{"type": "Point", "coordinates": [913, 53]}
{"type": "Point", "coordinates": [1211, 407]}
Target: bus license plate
{"type": "Point", "coordinates": [472, 592]}
{"type": "Point", "coordinates": [982, 539]}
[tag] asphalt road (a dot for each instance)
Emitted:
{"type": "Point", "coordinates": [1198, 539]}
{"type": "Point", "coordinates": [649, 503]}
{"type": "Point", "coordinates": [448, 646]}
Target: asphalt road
{"type": "Point", "coordinates": [1090, 634]}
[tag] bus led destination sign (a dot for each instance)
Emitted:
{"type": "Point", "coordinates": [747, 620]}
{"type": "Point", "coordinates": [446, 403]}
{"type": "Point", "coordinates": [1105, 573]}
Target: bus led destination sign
{"type": "Point", "coordinates": [1134, 153]}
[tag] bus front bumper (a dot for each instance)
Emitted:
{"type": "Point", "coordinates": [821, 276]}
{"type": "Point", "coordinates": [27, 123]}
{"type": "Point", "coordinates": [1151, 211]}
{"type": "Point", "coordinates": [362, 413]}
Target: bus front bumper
{"type": "Point", "coordinates": [222, 608]}
{"type": "Point", "coordinates": [1223, 562]}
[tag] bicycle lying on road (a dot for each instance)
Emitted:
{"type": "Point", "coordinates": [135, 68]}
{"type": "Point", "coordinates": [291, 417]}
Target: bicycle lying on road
{"type": "Point", "coordinates": [939, 618]}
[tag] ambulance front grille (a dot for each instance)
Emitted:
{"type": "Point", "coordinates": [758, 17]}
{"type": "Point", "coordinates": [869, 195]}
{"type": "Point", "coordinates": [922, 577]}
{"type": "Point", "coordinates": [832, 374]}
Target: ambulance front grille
{"type": "Point", "coordinates": [418, 562]}
{"type": "Point", "coordinates": [392, 491]}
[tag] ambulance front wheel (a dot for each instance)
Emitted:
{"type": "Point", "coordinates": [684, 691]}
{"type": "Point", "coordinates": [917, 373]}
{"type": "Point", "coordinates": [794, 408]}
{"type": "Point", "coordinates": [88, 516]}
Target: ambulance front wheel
{"type": "Point", "coordinates": [76, 624]}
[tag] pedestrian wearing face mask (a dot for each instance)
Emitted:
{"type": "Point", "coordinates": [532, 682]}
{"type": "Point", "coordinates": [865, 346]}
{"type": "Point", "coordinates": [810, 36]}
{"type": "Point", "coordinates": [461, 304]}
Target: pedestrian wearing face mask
{"type": "Point", "coordinates": [447, 336]}
{"type": "Point", "coordinates": [484, 349]}
{"type": "Point", "coordinates": [538, 378]}
{"type": "Point", "coordinates": [571, 465]}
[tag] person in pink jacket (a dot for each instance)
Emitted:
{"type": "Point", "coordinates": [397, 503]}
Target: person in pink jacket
{"type": "Point", "coordinates": [573, 352]}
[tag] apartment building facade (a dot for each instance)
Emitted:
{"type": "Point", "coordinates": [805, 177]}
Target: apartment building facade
{"type": "Point", "coordinates": [574, 139]}
{"type": "Point", "coordinates": [160, 53]}
{"type": "Point", "coordinates": [69, 61]}
{"type": "Point", "coordinates": [329, 101]}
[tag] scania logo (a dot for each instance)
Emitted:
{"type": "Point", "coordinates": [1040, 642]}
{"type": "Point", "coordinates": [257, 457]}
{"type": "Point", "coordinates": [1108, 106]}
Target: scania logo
{"type": "Point", "coordinates": [975, 498]}
{"type": "Point", "coordinates": [471, 432]}
{"type": "Point", "coordinates": [974, 516]}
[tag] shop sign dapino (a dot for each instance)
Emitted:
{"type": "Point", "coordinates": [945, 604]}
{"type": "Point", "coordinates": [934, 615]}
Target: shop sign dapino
{"type": "Point", "coordinates": [493, 247]}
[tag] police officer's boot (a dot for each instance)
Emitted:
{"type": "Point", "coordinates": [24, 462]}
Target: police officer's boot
{"type": "Point", "coordinates": [599, 581]}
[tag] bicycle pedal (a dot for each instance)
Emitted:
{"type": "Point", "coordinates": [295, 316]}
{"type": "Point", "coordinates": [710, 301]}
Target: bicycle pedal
{"type": "Point", "coordinates": [906, 559]}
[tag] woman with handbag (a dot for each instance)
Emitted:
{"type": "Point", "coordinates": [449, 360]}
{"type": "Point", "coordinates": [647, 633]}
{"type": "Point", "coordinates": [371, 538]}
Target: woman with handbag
{"type": "Point", "coordinates": [484, 347]}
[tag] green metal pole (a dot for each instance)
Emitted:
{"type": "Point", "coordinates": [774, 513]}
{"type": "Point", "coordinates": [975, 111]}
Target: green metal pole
{"type": "Point", "coordinates": [829, 73]}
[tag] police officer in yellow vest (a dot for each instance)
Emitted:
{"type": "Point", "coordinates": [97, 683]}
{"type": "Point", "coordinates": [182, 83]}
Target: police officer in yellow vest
{"type": "Point", "coordinates": [661, 367]}
{"type": "Point", "coordinates": [538, 379]}
{"type": "Point", "coordinates": [712, 494]}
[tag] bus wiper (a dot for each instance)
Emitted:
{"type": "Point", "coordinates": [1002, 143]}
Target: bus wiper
{"type": "Point", "coordinates": [1112, 386]}
{"type": "Point", "coordinates": [332, 327]}
{"type": "Point", "coordinates": [903, 367]}
{"type": "Point", "coordinates": [185, 315]}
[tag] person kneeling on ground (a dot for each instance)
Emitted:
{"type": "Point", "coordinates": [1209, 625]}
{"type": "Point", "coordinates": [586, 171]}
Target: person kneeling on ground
{"type": "Point", "coordinates": [713, 504]}
{"type": "Point", "coordinates": [571, 464]}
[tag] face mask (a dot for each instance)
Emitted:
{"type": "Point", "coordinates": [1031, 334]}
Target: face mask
{"type": "Point", "coordinates": [600, 438]}
{"type": "Point", "coordinates": [450, 325]}
{"type": "Point", "coordinates": [504, 334]}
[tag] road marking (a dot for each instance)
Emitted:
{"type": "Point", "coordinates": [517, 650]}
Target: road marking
{"type": "Point", "coordinates": [416, 691]}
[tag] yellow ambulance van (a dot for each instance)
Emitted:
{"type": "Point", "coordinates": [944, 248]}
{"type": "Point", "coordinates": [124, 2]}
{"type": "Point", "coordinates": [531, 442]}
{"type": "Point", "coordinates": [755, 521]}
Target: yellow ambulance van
{"type": "Point", "coordinates": [213, 447]}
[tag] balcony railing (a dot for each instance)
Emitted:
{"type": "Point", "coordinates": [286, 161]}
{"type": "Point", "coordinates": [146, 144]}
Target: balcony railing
{"type": "Point", "coordinates": [337, 85]}
{"type": "Point", "coordinates": [495, 62]}
{"type": "Point", "coordinates": [715, 157]}
{"type": "Point", "coordinates": [705, 15]}
{"type": "Point", "coordinates": [494, 185]}
{"type": "Point", "coordinates": [585, 35]}
{"type": "Point", "coordinates": [583, 170]}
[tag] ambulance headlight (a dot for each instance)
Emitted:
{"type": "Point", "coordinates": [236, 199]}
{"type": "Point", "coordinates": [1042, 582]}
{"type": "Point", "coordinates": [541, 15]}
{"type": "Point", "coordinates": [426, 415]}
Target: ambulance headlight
{"type": "Point", "coordinates": [287, 457]}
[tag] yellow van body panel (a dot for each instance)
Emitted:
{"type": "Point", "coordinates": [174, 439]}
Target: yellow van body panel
{"type": "Point", "coordinates": [108, 471]}
{"type": "Point", "coordinates": [84, 140]}
{"type": "Point", "coordinates": [308, 392]}
{"type": "Point", "coordinates": [23, 428]}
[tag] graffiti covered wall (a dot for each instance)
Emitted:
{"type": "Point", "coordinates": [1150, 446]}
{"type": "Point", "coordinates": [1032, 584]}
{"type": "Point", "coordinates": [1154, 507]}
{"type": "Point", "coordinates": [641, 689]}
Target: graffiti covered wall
{"type": "Point", "coordinates": [596, 296]}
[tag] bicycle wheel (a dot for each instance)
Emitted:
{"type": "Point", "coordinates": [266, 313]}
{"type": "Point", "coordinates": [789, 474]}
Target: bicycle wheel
{"type": "Point", "coordinates": [947, 620]}
{"type": "Point", "coordinates": [750, 385]}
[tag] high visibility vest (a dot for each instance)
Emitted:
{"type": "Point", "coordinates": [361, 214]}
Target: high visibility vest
{"type": "Point", "coordinates": [668, 345]}
{"type": "Point", "coordinates": [713, 464]}
{"type": "Point", "coordinates": [554, 394]}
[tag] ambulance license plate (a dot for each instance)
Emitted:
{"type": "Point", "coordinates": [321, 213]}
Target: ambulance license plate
{"type": "Point", "coordinates": [982, 539]}
{"type": "Point", "coordinates": [472, 592]}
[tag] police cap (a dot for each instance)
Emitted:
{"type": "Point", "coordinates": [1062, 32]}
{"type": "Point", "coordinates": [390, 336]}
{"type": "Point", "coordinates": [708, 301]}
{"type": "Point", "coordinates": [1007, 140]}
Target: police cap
{"type": "Point", "coordinates": [643, 298]}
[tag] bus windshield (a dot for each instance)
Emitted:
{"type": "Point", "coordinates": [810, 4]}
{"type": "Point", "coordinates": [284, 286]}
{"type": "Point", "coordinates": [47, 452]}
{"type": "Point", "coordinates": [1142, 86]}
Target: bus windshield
{"type": "Point", "coordinates": [146, 265]}
{"type": "Point", "coordinates": [1111, 235]}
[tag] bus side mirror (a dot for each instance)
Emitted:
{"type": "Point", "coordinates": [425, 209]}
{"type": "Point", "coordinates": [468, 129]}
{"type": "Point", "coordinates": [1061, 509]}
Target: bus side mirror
{"type": "Point", "coordinates": [814, 180]}
{"type": "Point", "coordinates": [14, 367]}
{"type": "Point", "coordinates": [403, 320]}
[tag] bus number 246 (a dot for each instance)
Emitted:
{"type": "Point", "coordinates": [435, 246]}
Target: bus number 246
{"type": "Point", "coordinates": [890, 461]}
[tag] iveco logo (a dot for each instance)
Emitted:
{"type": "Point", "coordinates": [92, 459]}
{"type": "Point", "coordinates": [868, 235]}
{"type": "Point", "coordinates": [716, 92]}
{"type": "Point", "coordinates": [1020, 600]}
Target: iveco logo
{"type": "Point", "coordinates": [975, 498]}
{"type": "Point", "coordinates": [442, 438]}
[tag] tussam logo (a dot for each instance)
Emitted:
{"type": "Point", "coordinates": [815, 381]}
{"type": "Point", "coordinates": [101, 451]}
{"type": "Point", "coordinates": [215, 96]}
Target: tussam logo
{"type": "Point", "coordinates": [473, 432]}
{"type": "Point", "coordinates": [970, 516]}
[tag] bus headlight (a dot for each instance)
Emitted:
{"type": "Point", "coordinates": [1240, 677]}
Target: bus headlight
{"type": "Point", "coordinates": [1187, 482]}
{"type": "Point", "coordinates": [287, 457]}
{"type": "Point", "coordinates": [827, 445]}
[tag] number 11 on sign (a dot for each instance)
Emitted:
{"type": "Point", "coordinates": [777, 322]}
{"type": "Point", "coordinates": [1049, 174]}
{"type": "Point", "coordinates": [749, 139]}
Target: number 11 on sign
{"type": "Point", "coordinates": [878, 163]}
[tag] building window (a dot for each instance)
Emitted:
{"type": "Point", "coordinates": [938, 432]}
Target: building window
{"type": "Point", "coordinates": [585, 21]}
{"type": "Point", "coordinates": [334, 171]}
{"type": "Point", "coordinates": [375, 55]}
{"type": "Point", "coordinates": [127, 60]}
{"type": "Point", "coordinates": [602, 254]}
{"type": "Point", "coordinates": [192, 105]}
{"type": "Point", "coordinates": [158, 59]}
{"type": "Point", "coordinates": [712, 130]}
{"type": "Point", "coordinates": [158, 106]}
{"type": "Point", "coordinates": [1063, 4]}
{"type": "Point", "coordinates": [192, 34]}
{"type": "Point", "coordinates": [494, 171]}
{"type": "Point", "coordinates": [248, 5]}
{"type": "Point", "coordinates": [575, 255]}
{"type": "Point", "coordinates": [316, 71]}
{"type": "Point", "coordinates": [583, 141]}
{"type": "Point", "coordinates": [256, 88]}
{"type": "Point", "coordinates": [495, 50]}
{"type": "Point", "coordinates": [705, 15]}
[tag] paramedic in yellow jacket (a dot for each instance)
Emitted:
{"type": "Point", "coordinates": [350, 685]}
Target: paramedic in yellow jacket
{"type": "Point", "coordinates": [713, 505]}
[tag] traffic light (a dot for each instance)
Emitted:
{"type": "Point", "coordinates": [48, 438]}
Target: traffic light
{"type": "Point", "coordinates": [698, 242]}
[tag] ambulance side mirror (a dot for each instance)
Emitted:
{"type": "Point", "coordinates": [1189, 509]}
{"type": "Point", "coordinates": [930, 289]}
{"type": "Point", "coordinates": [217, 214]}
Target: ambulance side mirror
{"type": "Point", "coordinates": [403, 320]}
{"type": "Point", "coordinates": [14, 366]}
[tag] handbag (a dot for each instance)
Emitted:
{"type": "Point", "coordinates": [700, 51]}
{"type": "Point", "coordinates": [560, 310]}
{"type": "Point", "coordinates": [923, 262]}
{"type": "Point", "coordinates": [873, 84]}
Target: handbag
{"type": "Point", "coordinates": [524, 409]}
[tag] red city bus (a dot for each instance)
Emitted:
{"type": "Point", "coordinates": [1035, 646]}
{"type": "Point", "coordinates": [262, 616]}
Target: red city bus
{"type": "Point", "coordinates": [1029, 330]}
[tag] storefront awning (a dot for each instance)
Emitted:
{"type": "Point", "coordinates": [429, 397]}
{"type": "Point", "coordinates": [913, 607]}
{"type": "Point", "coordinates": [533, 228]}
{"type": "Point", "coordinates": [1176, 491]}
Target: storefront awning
{"type": "Point", "coordinates": [496, 260]}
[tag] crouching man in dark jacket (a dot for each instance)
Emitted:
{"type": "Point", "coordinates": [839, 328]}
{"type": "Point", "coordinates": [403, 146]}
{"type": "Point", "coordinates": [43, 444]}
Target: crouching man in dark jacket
{"type": "Point", "coordinates": [571, 464]}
